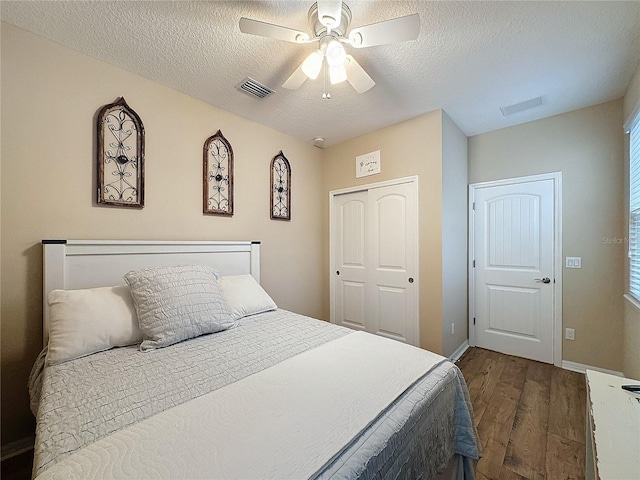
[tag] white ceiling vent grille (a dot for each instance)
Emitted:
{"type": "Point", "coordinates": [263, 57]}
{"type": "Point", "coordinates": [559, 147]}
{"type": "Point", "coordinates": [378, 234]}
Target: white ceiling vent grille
{"type": "Point", "coordinates": [254, 88]}
{"type": "Point", "coordinates": [519, 107]}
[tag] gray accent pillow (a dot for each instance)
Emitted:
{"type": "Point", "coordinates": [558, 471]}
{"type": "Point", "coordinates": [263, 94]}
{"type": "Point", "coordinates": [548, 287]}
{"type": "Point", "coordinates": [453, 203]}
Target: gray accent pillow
{"type": "Point", "coordinates": [177, 303]}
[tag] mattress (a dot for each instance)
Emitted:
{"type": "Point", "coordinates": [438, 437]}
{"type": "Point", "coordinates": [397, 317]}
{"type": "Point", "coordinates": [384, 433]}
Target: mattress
{"type": "Point", "coordinates": [93, 403]}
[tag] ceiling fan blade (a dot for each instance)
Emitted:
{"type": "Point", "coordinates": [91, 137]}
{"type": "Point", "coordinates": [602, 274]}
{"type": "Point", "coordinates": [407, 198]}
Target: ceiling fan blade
{"type": "Point", "coordinates": [330, 13]}
{"type": "Point", "coordinates": [269, 30]}
{"type": "Point", "coordinates": [397, 30]}
{"type": "Point", "coordinates": [356, 76]}
{"type": "Point", "coordinates": [296, 79]}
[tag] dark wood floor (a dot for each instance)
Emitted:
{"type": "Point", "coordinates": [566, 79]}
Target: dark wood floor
{"type": "Point", "coordinates": [18, 467]}
{"type": "Point", "coordinates": [530, 417]}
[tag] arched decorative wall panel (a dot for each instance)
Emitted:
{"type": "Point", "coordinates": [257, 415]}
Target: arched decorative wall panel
{"type": "Point", "coordinates": [218, 176]}
{"type": "Point", "coordinates": [120, 156]}
{"type": "Point", "coordinates": [280, 188]}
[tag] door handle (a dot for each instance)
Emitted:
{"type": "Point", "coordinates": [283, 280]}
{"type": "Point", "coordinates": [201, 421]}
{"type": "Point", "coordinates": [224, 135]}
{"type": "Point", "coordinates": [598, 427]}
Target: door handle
{"type": "Point", "coordinates": [543, 280]}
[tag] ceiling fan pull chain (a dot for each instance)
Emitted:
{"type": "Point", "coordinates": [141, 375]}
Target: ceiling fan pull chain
{"type": "Point", "coordinates": [325, 95]}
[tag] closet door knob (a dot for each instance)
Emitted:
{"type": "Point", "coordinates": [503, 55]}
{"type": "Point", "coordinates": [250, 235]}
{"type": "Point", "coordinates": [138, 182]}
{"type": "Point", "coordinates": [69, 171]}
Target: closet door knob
{"type": "Point", "coordinates": [410, 279]}
{"type": "Point", "coordinates": [338, 272]}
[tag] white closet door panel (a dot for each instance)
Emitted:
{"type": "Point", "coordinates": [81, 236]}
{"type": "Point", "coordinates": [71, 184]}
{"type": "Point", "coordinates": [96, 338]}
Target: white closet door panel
{"type": "Point", "coordinates": [353, 306]}
{"type": "Point", "coordinates": [375, 261]}
{"type": "Point", "coordinates": [350, 240]}
{"type": "Point", "coordinates": [392, 307]}
{"type": "Point", "coordinates": [393, 233]}
{"type": "Point", "coordinates": [353, 213]}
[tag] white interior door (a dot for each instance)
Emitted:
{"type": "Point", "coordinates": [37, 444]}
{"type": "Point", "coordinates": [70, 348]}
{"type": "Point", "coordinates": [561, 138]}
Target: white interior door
{"type": "Point", "coordinates": [514, 274]}
{"type": "Point", "coordinates": [374, 245]}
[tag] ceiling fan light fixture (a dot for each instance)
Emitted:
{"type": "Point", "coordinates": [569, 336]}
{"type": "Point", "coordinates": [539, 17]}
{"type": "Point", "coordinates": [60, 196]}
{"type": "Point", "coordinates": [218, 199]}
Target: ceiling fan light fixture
{"type": "Point", "coordinates": [330, 13]}
{"type": "Point", "coordinates": [337, 74]}
{"type": "Point", "coordinates": [312, 65]}
{"type": "Point", "coordinates": [336, 54]}
{"type": "Point", "coordinates": [329, 21]}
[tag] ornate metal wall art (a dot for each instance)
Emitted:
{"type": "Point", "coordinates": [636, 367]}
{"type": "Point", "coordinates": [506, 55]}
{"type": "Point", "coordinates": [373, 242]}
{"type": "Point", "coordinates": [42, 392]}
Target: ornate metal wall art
{"type": "Point", "coordinates": [280, 188]}
{"type": "Point", "coordinates": [218, 176]}
{"type": "Point", "coordinates": [120, 156]}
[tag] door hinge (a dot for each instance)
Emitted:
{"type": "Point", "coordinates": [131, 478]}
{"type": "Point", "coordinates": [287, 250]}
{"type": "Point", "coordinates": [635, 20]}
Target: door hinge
{"type": "Point", "coordinates": [474, 264]}
{"type": "Point", "coordinates": [474, 206]}
{"type": "Point", "coordinates": [474, 320]}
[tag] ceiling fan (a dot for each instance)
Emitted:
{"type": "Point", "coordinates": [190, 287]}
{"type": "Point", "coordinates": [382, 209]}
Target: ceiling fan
{"type": "Point", "coordinates": [329, 21]}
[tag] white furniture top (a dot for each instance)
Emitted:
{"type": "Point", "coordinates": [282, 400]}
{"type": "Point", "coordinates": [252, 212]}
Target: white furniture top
{"type": "Point", "coordinates": [615, 414]}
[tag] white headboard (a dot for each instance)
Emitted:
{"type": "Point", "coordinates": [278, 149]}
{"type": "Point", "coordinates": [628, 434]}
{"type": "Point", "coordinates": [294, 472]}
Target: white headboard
{"type": "Point", "coordinates": [74, 264]}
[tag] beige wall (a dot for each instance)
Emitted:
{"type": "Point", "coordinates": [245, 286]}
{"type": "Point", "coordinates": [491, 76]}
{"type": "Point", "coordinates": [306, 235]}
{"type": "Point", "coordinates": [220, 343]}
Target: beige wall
{"type": "Point", "coordinates": [50, 96]}
{"type": "Point", "coordinates": [413, 147]}
{"type": "Point", "coordinates": [632, 96]}
{"type": "Point", "coordinates": [454, 236]}
{"type": "Point", "coordinates": [586, 146]}
{"type": "Point", "coordinates": [631, 347]}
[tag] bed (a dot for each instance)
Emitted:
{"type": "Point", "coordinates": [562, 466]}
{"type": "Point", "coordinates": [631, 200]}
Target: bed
{"type": "Point", "coordinates": [269, 394]}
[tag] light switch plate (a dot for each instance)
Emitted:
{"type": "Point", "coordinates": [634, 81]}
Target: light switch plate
{"type": "Point", "coordinates": [574, 262]}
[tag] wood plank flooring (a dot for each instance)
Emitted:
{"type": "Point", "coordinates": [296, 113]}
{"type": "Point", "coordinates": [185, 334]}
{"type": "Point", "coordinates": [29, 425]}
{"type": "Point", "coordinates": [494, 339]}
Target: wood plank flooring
{"type": "Point", "coordinates": [530, 417]}
{"type": "Point", "coordinates": [18, 467]}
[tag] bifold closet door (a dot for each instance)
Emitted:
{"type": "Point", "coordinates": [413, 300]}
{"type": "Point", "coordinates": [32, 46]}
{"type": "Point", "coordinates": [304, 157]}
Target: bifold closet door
{"type": "Point", "coordinates": [375, 247]}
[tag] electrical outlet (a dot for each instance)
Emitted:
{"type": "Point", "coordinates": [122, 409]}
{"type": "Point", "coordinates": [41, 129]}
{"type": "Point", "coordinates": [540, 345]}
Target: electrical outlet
{"type": "Point", "coordinates": [569, 333]}
{"type": "Point", "coordinates": [453, 329]}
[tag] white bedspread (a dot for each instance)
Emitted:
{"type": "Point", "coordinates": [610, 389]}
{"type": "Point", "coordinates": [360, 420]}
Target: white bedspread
{"type": "Point", "coordinates": [286, 421]}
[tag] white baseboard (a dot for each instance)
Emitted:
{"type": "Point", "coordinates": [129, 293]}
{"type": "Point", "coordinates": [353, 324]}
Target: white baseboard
{"type": "Point", "coordinates": [581, 368]}
{"type": "Point", "coordinates": [455, 356]}
{"type": "Point", "coordinates": [16, 448]}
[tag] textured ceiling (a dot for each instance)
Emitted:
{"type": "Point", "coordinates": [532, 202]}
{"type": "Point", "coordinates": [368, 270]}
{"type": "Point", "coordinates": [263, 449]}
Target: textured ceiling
{"type": "Point", "coordinates": [470, 57]}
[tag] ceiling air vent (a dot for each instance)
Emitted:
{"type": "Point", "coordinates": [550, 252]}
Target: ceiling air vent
{"type": "Point", "coordinates": [254, 88]}
{"type": "Point", "coordinates": [519, 107]}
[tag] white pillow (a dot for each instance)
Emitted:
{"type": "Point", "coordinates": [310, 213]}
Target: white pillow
{"type": "Point", "coordinates": [82, 322]}
{"type": "Point", "coordinates": [177, 303]}
{"type": "Point", "coordinates": [245, 296]}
